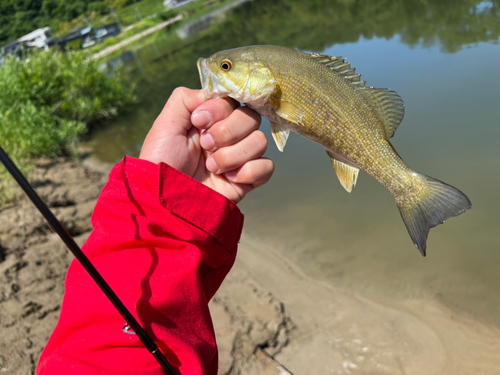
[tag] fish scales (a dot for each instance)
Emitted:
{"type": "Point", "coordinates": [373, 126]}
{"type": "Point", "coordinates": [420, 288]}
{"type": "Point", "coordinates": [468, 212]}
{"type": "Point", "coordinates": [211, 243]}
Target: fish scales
{"type": "Point", "coordinates": [314, 97]}
{"type": "Point", "coordinates": [362, 145]}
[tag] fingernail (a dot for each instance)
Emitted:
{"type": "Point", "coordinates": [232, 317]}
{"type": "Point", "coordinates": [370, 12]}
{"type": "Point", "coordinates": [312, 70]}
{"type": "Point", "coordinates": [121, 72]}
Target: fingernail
{"type": "Point", "coordinates": [201, 118]}
{"type": "Point", "coordinates": [212, 165]}
{"type": "Point", "coordinates": [207, 141]}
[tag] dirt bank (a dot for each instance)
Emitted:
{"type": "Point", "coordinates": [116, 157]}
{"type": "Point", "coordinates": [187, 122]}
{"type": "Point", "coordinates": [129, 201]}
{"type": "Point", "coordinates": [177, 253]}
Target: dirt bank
{"type": "Point", "coordinates": [270, 316]}
{"type": "Point", "coordinates": [34, 263]}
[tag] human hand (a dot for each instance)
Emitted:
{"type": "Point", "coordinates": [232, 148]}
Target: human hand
{"type": "Point", "coordinates": [213, 141]}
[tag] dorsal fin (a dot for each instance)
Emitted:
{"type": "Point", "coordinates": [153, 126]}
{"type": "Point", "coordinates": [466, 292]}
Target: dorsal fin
{"type": "Point", "coordinates": [339, 65]}
{"type": "Point", "coordinates": [388, 106]}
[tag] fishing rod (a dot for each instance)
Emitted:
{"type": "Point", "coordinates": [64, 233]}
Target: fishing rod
{"type": "Point", "coordinates": [85, 262]}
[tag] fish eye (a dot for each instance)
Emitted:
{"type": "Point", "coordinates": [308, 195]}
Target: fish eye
{"type": "Point", "coordinates": [226, 65]}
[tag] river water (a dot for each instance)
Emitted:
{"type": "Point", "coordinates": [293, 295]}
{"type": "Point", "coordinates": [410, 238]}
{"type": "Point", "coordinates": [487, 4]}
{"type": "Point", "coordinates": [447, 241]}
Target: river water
{"type": "Point", "coordinates": [443, 58]}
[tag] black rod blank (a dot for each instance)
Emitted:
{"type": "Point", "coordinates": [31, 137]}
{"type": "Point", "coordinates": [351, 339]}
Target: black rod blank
{"type": "Point", "coordinates": [85, 262]}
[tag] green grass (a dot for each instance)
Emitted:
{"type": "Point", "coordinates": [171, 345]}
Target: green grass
{"type": "Point", "coordinates": [195, 8]}
{"type": "Point", "coordinates": [47, 102]}
{"type": "Point", "coordinates": [136, 29]}
{"type": "Point", "coordinates": [138, 11]}
{"type": "Point", "coordinates": [131, 15]}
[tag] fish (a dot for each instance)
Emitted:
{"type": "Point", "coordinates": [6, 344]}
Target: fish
{"type": "Point", "coordinates": [321, 98]}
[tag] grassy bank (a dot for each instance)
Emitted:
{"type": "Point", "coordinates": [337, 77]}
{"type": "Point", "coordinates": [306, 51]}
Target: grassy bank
{"type": "Point", "coordinates": [47, 102]}
{"type": "Point", "coordinates": [195, 8]}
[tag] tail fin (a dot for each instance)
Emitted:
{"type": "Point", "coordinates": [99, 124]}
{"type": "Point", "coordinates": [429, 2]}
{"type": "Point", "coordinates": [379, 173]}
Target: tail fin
{"type": "Point", "coordinates": [437, 202]}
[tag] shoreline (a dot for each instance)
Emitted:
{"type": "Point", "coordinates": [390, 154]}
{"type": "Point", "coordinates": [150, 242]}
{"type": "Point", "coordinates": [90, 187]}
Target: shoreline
{"type": "Point", "coordinates": [270, 316]}
{"type": "Point", "coordinates": [115, 47]}
{"type": "Point", "coordinates": [347, 333]}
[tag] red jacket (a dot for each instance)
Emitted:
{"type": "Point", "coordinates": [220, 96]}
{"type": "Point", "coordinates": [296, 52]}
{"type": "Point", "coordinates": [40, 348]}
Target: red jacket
{"type": "Point", "coordinates": [164, 242]}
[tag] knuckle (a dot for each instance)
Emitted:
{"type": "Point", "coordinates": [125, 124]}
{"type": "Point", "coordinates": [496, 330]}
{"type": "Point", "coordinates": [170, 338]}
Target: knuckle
{"type": "Point", "coordinates": [180, 95]}
{"type": "Point", "coordinates": [265, 172]}
{"type": "Point", "coordinates": [222, 107]}
{"type": "Point", "coordinates": [224, 134]}
{"type": "Point", "coordinates": [179, 91]}
{"type": "Point", "coordinates": [248, 173]}
{"type": "Point", "coordinates": [261, 139]}
{"type": "Point", "coordinates": [270, 172]}
{"type": "Point", "coordinates": [221, 158]}
{"type": "Point", "coordinates": [257, 119]}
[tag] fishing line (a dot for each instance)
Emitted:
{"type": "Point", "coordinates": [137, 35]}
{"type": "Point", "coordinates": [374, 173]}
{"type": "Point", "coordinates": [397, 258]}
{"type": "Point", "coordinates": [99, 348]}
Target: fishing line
{"type": "Point", "coordinates": [57, 227]}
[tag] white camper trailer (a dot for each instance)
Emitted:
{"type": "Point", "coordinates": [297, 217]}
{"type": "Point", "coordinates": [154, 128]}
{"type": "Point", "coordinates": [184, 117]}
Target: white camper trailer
{"type": "Point", "coordinates": [41, 38]}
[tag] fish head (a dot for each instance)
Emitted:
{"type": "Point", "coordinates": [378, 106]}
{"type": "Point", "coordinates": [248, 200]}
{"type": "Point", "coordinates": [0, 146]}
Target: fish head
{"type": "Point", "coordinates": [237, 73]}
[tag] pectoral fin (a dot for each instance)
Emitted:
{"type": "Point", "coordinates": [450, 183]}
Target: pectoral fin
{"type": "Point", "coordinates": [280, 135]}
{"type": "Point", "coordinates": [347, 174]}
{"type": "Point", "coordinates": [290, 112]}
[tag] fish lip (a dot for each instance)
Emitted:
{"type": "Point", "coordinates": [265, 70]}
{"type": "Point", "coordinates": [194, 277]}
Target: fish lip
{"type": "Point", "coordinates": [209, 81]}
{"type": "Point", "coordinates": [202, 70]}
{"type": "Point", "coordinates": [203, 73]}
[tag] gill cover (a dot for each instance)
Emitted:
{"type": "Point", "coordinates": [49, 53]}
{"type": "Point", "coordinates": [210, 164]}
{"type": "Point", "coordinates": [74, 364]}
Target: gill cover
{"type": "Point", "coordinates": [237, 74]}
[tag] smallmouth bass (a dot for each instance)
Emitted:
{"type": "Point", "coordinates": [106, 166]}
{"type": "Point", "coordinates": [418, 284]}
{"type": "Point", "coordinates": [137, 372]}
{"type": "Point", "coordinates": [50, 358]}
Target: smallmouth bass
{"type": "Point", "coordinates": [322, 99]}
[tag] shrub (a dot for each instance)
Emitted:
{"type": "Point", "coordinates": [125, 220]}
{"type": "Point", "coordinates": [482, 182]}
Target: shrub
{"type": "Point", "coordinates": [74, 45]}
{"type": "Point", "coordinates": [98, 7]}
{"type": "Point", "coordinates": [47, 101]}
{"type": "Point", "coordinates": [110, 41]}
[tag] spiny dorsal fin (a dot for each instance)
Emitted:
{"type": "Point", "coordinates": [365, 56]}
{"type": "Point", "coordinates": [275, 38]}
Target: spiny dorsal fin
{"type": "Point", "coordinates": [339, 65]}
{"type": "Point", "coordinates": [347, 174]}
{"type": "Point", "coordinates": [280, 135]}
{"type": "Point", "coordinates": [388, 106]}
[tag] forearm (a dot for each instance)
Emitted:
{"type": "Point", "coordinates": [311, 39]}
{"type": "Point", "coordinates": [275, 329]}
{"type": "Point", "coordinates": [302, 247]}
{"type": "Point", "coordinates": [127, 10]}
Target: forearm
{"type": "Point", "coordinates": [164, 243]}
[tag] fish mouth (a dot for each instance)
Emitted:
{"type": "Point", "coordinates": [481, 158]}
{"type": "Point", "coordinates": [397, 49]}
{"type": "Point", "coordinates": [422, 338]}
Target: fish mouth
{"type": "Point", "coordinates": [202, 71]}
{"type": "Point", "coordinates": [209, 81]}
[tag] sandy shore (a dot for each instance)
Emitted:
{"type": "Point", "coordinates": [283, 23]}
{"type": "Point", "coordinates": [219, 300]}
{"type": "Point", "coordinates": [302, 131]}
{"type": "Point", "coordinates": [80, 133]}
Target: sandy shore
{"type": "Point", "coordinates": [337, 331]}
{"type": "Point", "coordinates": [33, 265]}
{"type": "Point", "coordinates": [270, 317]}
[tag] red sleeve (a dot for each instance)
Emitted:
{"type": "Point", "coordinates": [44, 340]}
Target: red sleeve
{"type": "Point", "coordinates": [164, 242]}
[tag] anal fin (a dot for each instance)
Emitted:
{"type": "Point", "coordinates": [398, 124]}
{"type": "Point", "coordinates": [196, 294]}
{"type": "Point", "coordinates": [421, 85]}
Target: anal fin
{"type": "Point", "coordinates": [280, 135]}
{"type": "Point", "coordinates": [347, 174]}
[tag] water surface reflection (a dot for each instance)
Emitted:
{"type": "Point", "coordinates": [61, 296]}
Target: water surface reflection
{"type": "Point", "coordinates": [442, 58]}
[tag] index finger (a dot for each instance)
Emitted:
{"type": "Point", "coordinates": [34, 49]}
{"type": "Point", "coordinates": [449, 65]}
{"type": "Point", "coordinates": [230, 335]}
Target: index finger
{"type": "Point", "coordinates": [177, 112]}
